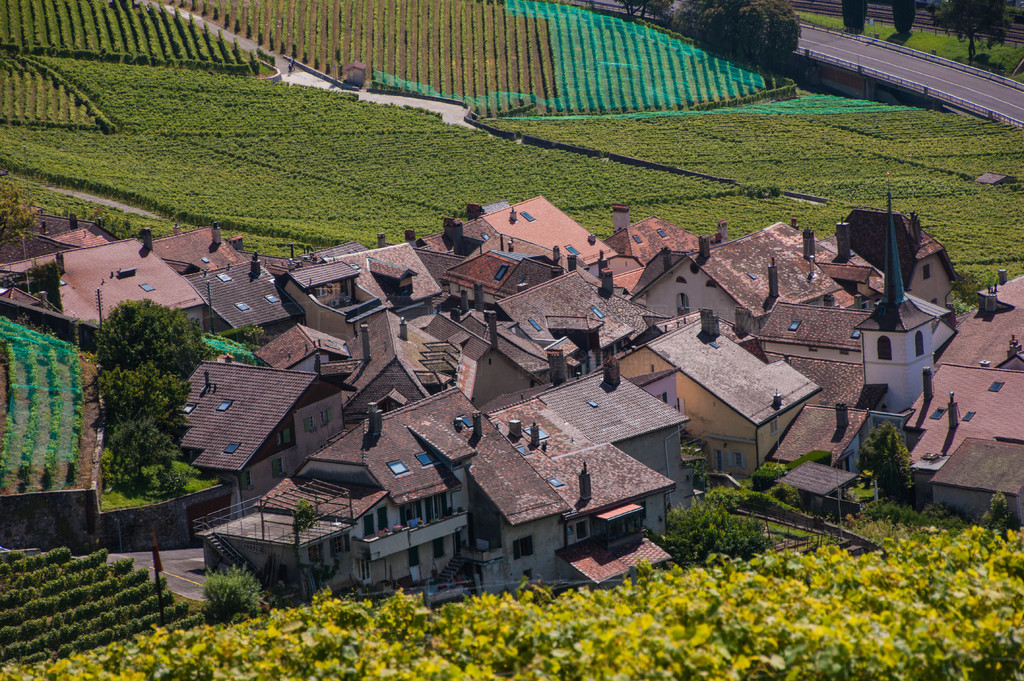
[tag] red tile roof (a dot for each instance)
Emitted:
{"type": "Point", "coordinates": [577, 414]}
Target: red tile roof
{"type": "Point", "coordinates": [984, 465]}
{"type": "Point", "coordinates": [298, 343]}
{"type": "Point", "coordinates": [825, 327]}
{"type": "Point", "coordinates": [386, 263]}
{"type": "Point", "coordinates": [815, 428]}
{"type": "Point", "coordinates": [549, 227]}
{"type": "Point", "coordinates": [598, 564]}
{"type": "Point", "coordinates": [985, 336]}
{"type": "Point", "coordinates": [484, 269]}
{"type": "Point", "coordinates": [867, 239]}
{"type": "Point", "coordinates": [642, 240]}
{"type": "Point", "coordinates": [839, 381]}
{"type": "Point", "coordinates": [185, 252]}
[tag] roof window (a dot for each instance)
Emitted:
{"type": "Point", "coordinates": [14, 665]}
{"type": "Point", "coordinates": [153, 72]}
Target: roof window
{"type": "Point", "coordinates": [223, 406]}
{"type": "Point", "coordinates": [397, 467]}
{"type": "Point", "coordinates": [190, 407]}
{"type": "Point", "coordinates": [555, 482]}
{"type": "Point", "coordinates": [969, 415]}
{"type": "Point", "coordinates": [426, 458]}
{"type": "Point", "coordinates": [855, 334]}
{"type": "Point", "coordinates": [600, 315]}
{"type": "Point", "coordinates": [521, 449]}
{"type": "Point", "coordinates": [502, 271]}
{"type": "Point", "coordinates": [713, 344]}
{"type": "Point", "coordinates": [636, 238]}
{"type": "Point", "coordinates": [527, 216]}
{"type": "Point", "coordinates": [592, 404]}
{"type": "Point", "coordinates": [937, 414]}
{"type": "Point", "coordinates": [223, 277]}
{"type": "Point", "coordinates": [794, 325]}
{"type": "Point", "coordinates": [994, 388]}
{"type": "Point", "coordinates": [572, 250]}
{"type": "Point", "coordinates": [752, 276]}
{"type": "Point", "coordinates": [271, 298]}
{"type": "Point", "coordinates": [242, 306]}
{"type": "Point", "coordinates": [661, 233]}
{"type": "Point", "coordinates": [463, 421]}
{"type": "Point", "coordinates": [232, 447]}
{"type": "Point", "coordinates": [534, 324]}
{"type": "Point", "coordinates": [146, 287]}
{"type": "Point", "coordinates": [205, 259]}
{"type": "Point", "coordinates": [485, 236]}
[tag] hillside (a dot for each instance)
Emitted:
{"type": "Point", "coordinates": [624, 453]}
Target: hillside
{"type": "Point", "coordinates": [947, 608]}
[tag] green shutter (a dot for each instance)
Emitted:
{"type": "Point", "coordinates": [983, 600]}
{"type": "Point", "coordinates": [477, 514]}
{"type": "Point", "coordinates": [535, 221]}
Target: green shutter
{"type": "Point", "coordinates": [368, 525]}
{"type": "Point", "coordinates": [515, 549]}
{"type": "Point", "coordinates": [414, 556]}
{"type": "Point", "coordinates": [445, 508]}
{"type": "Point", "coordinates": [382, 518]}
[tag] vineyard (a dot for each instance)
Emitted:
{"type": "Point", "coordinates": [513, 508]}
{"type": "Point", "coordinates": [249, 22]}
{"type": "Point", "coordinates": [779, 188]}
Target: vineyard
{"type": "Point", "coordinates": [115, 31]}
{"type": "Point", "coordinates": [43, 425]}
{"type": "Point", "coordinates": [28, 96]}
{"type": "Point", "coordinates": [947, 607]}
{"type": "Point", "coordinates": [494, 56]}
{"type": "Point", "coordinates": [53, 605]}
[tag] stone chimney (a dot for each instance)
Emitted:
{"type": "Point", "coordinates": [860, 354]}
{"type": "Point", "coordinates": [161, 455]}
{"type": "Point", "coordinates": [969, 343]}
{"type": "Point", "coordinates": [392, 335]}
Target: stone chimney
{"type": "Point", "coordinates": [828, 300]}
{"type": "Point", "coordinates": [410, 236]}
{"type": "Point", "coordinates": [177, 229]}
{"type": "Point", "coordinates": [453, 230]}
{"type": "Point", "coordinates": [456, 314]}
{"type": "Point", "coordinates": [474, 210]}
{"type": "Point", "coordinates": [478, 424]}
{"type": "Point", "coordinates": [611, 371]}
{"type": "Point", "coordinates": [364, 335]}
{"type": "Point", "coordinates": [704, 246]}
{"type": "Point", "coordinates": [403, 329]}
{"type": "Point", "coordinates": [215, 237]}
{"type": "Point", "coordinates": [556, 255]}
{"type": "Point", "coordinates": [777, 401]}
{"type": "Point", "coordinates": [570, 262]}
{"type": "Point", "coordinates": [515, 429]}
{"type": "Point", "coordinates": [492, 327]}
{"type": "Point", "coordinates": [666, 258]}
{"type": "Point", "coordinates": [773, 280]}
{"type": "Point", "coordinates": [744, 321]}
{"type": "Point", "coordinates": [709, 322]}
{"type": "Point", "coordinates": [73, 221]}
{"type": "Point", "coordinates": [842, 416]}
{"type": "Point", "coordinates": [620, 216]}
{"type": "Point", "coordinates": [723, 231]}
{"type": "Point", "coordinates": [607, 281]}
{"type": "Point", "coordinates": [512, 217]}
{"type": "Point", "coordinates": [237, 242]}
{"type": "Point", "coordinates": [858, 301]}
{"type": "Point", "coordinates": [254, 266]}
{"type": "Point", "coordinates": [953, 412]}
{"type": "Point", "coordinates": [591, 238]}
{"type": "Point", "coordinates": [381, 242]}
{"type": "Point", "coordinates": [809, 244]}
{"type": "Point", "coordinates": [375, 420]}
{"type": "Point", "coordinates": [146, 235]}
{"type": "Point", "coordinates": [1002, 277]}
{"type": "Point", "coordinates": [812, 268]}
{"type": "Point", "coordinates": [511, 245]}
{"type": "Point", "coordinates": [843, 241]}
{"type": "Point", "coordinates": [793, 223]}
{"type": "Point", "coordinates": [1013, 348]}
{"type": "Point", "coordinates": [478, 297]}
{"type": "Point", "coordinates": [915, 228]}
{"type": "Point", "coordinates": [464, 301]}
{"type": "Point", "coordinates": [601, 262]}
{"type": "Point", "coordinates": [586, 493]}
{"type": "Point", "coordinates": [556, 272]}
{"type": "Point", "coordinates": [206, 381]}
{"type": "Point", "coordinates": [926, 384]}
{"type": "Point", "coordinates": [557, 366]}
{"type": "Point", "coordinates": [534, 435]}
{"type": "Point", "coordinates": [988, 300]}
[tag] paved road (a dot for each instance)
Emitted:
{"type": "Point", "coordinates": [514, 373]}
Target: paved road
{"type": "Point", "coordinates": [974, 89]}
{"type": "Point", "coordinates": [183, 568]}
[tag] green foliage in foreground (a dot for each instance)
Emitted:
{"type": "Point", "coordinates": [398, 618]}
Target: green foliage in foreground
{"type": "Point", "coordinates": [231, 594]}
{"type": "Point", "coordinates": [694, 533]}
{"type": "Point", "coordinates": [945, 608]}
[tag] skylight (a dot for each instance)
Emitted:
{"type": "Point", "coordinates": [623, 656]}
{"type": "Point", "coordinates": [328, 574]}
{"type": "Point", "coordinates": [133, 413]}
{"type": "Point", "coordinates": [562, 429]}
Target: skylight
{"type": "Point", "coordinates": [242, 306]}
{"type": "Point", "coordinates": [713, 344]}
{"type": "Point", "coordinates": [937, 414]}
{"type": "Point", "coordinates": [485, 236]}
{"type": "Point", "coordinates": [223, 277]}
{"type": "Point", "coordinates": [969, 415]}
{"type": "Point", "coordinates": [600, 315]}
{"type": "Point", "coordinates": [223, 406]}
{"type": "Point", "coordinates": [994, 388]}
{"type": "Point", "coordinates": [855, 334]}
{"type": "Point", "coordinates": [146, 287]}
{"type": "Point", "coordinates": [502, 271]}
{"type": "Point", "coordinates": [232, 446]}
{"type": "Point", "coordinates": [426, 458]}
{"type": "Point", "coordinates": [555, 482]}
{"type": "Point", "coordinates": [752, 276]}
{"type": "Point", "coordinates": [593, 404]}
{"type": "Point", "coordinates": [206, 260]}
{"type": "Point", "coordinates": [190, 407]}
{"type": "Point", "coordinates": [572, 250]}
{"type": "Point", "coordinates": [466, 421]}
{"type": "Point", "coordinates": [397, 467]}
{"type": "Point", "coordinates": [528, 217]}
{"type": "Point", "coordinates": [794, 325]}
{"type": "Point", "coordinates": [271, 298]}
{"type": "Point", "coordinates": [661, 233]}
{"type": "Point", "coordinates": [521, 449]}
{"type": "Point", "coordinates": [636, 238]}
{"type": "Point", "coordinates": [534, 324]}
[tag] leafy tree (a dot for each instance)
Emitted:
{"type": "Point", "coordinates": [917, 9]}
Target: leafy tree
{"type": "Point", "coordinates": [762, 31]}
{"type": "Point", "coordinates": [695, 533]}
{"type": "Point", "coordinates": [140, 332]}
{"type": "Point", "coordinates": [231, 595]}
{"type": "Point", "coordinates": [46, 277]}
{"type": "Point", "coordinates": [787, 494]}
{"type": "Point", "coordinates": [641, 8]}
{"type": "Point", "coordinates": [969, 18]}
{"type": "Point", "coordinates": [16, 215]}
{"type": "Point", "coordinates": [999, 517]}
{"type": "Point", "coordinates": [854, 12]}
{"type": "Point", "coordinates": [903, 12]}
{"type": "Point", "coordinates": [144, 393]}
{"type": "Point", "coordinates": [134, 447]}
{"type": "Point", "coordinates": [765, 476]}
{"type": "Point", "coordinates": [885, 455]}
{"type": "Point", "coordinates": [303, 519]}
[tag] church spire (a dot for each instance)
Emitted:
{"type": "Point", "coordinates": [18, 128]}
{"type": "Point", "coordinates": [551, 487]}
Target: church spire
{"type": "Point", "coordinates": [894, 293]}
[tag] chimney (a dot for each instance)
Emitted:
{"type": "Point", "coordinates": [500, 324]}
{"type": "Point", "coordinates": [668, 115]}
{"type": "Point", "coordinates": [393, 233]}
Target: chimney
{"type": "Point", "coordinates": [1011, 351]}
{"type": "Point", "coordinates": [474, 210]}
{"type": "Point", "coordinates": [557, 366]}
{"type": "Point", "coordinates": [843, 241]}
{"type": "Point", "coordinates": [915, 227]}
{"type": "Point", "coordinates": [953, 411]}
{"type": "Point", "coordinates": [410, 236]}
{"type": "Point", "coordinates": [620, 217]}
{"type": "Point", "coordinates": [375, 420]}
{"type": "Point", "coordinates": [511, 245]}
{"type": "Point", "coordinates": [988, 301]}
{"type": "Point", "coordinates": [858, 301]}
{"type": "Point", "coordinates": [478, 424]}
{"type": "Point", "coordinates": [456, 314]}
{"type": "Point", "coordinates": [364, 334]}
{"type": "Point", "coordinates": [492, 327]}
{"type": "Point", "coordinates": [607, 281]}
{"type": "Point", "coordinates": [666, 258]}
{"type": "Point", "coordinates": [381, 243]}
{"type": "Point", "coordinates": [773, 280]}
{"type": "Point", "coordinates": [829, 300]}
{"type": "Point", "coordinates": [556, 272]}
{"type": "Point", "coordinates": [403, 329]}
{"type": "Point", "coordinates": [744, 321]}
{"type": "Point", "coordinates": [811, 270]}
{"type": "Point", "coordinates": [601, 262]}
{"type": "Point", "coordinates": [534, 435]}
{"type": "Point", "coordinates": [515, 429]}
{"type": "Point", "coordinates": [512, 217]}
{"type": "Point", "coordinates": [42, 227]}
{"type": "Point", "coordinates": [453, 230]}
{"type": "Point", "coordinates": [1002, 277]}
{"type": "Point", "coordinates": [704, 246]}
{"type": "Point", "coordinates": [842, 416]}
{"type": "Point", "coordinates": [570, 262]}
{"type": "Point", "coordinates": [238, 243]}
{"type": "Point", "coordinates": [591, 239]}
{"type": "Point", "coordinates": [556, 255]}
{"type": "Point", "coordinates": [215, 235]}
{"type": "Point", "coordinates": [777, 401]}
{"type": "Point", "coordinates": [478, 297]}
{"type": "Point", "coordinates": [146, 235]}
{"type": "Point", "coordinates": [723, 231]}
{"type": "Point", "coordinates": [60, 262]}
{"type": "Point", "coordinates": [585, 491]}
{"type": "Point", "coordinates": [926, 381]}
{"type": "Point", "coordinates": [611, 371]}
{"type": "Point", "coordinates": [177, 229]}
{"type": "Point", "coordinates": [709, 322]}
{"type": "Point", "coordinates": [808, 243]}
{"type": "Point", "coordinates": [464, 301]}
{"type": "Point", "coordinates": [254, 266]}
{"type": "Point", "coordinates": [73, 221]}
{"type": "Point", "coordinates": [206, 380]}
{"type": "Point", "coordinates": [316, 363]}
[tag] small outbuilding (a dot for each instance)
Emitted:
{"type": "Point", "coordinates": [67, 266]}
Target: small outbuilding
{"type": "Point", "coordinates": [995, 178]}
{"type": "Point", "coordinates": [354, 73]}
{"type": "Point", "coordinates": [817, 482]}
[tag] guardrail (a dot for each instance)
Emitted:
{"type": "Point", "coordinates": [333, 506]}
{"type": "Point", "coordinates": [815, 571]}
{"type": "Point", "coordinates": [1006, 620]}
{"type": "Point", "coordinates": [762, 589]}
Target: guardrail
{"type": "Point", "coordinates": [935, 59]}
{"type": "Point", "coordinates": [913, 86]}
{"type": "Point", "coordinates": [233, 512]}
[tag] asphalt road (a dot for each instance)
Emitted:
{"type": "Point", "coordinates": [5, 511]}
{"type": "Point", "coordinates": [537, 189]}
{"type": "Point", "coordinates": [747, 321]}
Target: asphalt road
{"type": "Point", "coordinates": [974, 89]}
{"type": "Point", "coordinates": [183, 568]}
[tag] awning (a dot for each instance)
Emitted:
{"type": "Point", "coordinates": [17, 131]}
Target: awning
{"type": "Point", "coordinates": [620, 511]}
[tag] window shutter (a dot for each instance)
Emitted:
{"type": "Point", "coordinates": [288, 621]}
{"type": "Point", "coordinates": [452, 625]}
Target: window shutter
{"type": "Point", "coordinates": [367, 525]}
{"type": "Point", "coordinates": [382, 518]}
{"type": "Point", "coordinates": [515, 549]}
{"type": "Point", "coordinates": [528, 548]}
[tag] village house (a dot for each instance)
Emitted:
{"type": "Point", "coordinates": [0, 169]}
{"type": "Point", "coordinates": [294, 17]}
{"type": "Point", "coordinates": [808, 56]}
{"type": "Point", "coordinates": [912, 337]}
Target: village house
{"type": "Point", "coordinates": [991, 335]}
{"type": "Point", "coordinates": [52, 234]}
{"type": "Point", "coordinates": [976, 470]}
{"type": "Point", "coordinates": [300, 348]}
{"type": "Point", "coordinates": [462, 239]}
{"type": "Point", "coordinates": [837, 430]}
{"type": "Point", "coordinates": [646, 239]}
{"type": "Point", "coordinates": [493, 275]}
{"type": "Point", "coordinates": [196, 250]}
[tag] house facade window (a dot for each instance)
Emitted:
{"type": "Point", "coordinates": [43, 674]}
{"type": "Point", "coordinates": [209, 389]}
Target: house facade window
{"type": "Point", "coordinates": [316, 553]}
{"type": "Point", "coordinates": [522, 547]}
{"type": "Point", "coordinates": [284, 437]}
{"type": "Point", "coordinates": [382, 518]}
{"type": "Point", "coordinates": [884, 348]}
{"type": "Point", "coordinates": [246, 479]}
{"type": "Point", "coordinates": [774, 426]}
{"type": "Point", "coordinates": [738, 460]}
{"type": "Point", "coordinates": [368, 525]}
{"type": "Point", "coordinates": [340, 544]}
{"type": "Point", "coordinates": [684, 303]}
{"type": "Point", "coordinates": [363, 570]}
{"type": "Point", "coordinates": [919, 343]}
{"type": "Point", "coordinates": [278, 467]}
{"type": "Point", "coordinates": [926, 271]}
{"type": "Point", "coordinates": [309, 424]}
{"type": "Point", "coordinates": [439, 547]}
{"type": "Point", "coordinates": [414, 556]}
{"type": "Point", "coordinates": [581, 529]}
{"type": "Point", "coordinates": [325, 416]}
{"type": "Point", "coordinates": [719, 460]}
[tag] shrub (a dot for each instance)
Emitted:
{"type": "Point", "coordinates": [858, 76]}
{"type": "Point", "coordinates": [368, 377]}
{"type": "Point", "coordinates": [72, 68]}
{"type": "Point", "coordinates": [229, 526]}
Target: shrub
{"type": "Point", "coordinates": [765, 476]}
{"type": "Point", "coordinates": [231, 594]}
{"type": "Point", "coordinates": [708, 528]}
{"type": "Point", "coordinates": [787, 494]}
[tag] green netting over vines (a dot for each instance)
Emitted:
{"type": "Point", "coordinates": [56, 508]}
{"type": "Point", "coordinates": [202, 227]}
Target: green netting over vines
{"type": "Point", "coordinates": [225, 346]}
{"type": "Point", "coordinates": [43, 424]}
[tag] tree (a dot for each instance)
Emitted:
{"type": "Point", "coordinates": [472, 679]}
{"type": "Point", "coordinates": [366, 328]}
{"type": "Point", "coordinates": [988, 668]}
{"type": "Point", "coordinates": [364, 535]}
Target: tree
{"type": "Point", "coordinates": [999, 517]}
{"type": "Point", "coordinates": [885, 455]}
{"type": "Point", "coordinates": [695, 533]}
{"type": "Point", "coordinates": [16, 215]}
{"type": "Point", "coordinates": [641, 8]}
{"type": "Point", "coordinates": [303, 519]}
{"type": "Point", "coordinates": [144, 393]}
{"type": "Point", "coordinates": [140, 332]}
{"type": "Point", "coordinates": [853, 15]}
{"type": "Point", "coordinates": [46, 277]}
{"type": "Point", "coordinates": [761, 31]}
{"type": "Point", "coordinates": [969, 18]}
{"type": "Point", "coordinates": [231, 595]}
{"type": "Point", "coordinates": [134, 447]}
{"type": "Point", "coordinates": [903, 12]}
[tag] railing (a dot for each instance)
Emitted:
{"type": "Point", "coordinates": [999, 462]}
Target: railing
{"type": "Point", "coordinates": [233, 512]}
{"type": "Point", "coordinates": [381, 545]}
{"type": "Point", "coordinates": [233, 553]}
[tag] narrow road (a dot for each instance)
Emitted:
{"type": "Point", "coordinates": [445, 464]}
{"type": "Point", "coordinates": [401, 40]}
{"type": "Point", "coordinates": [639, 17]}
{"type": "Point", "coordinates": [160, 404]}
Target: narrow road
{"type": "Point", "coordinates": [184, 569]}
{"type": "Point", "coordinates": [967, 86]}
{"type": "Point", "coordinates": [106, 202]}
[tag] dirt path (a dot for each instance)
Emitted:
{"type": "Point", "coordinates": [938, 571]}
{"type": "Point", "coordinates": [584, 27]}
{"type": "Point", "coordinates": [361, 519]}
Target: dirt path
{"type": "Point", "coordinates": [106, 202]}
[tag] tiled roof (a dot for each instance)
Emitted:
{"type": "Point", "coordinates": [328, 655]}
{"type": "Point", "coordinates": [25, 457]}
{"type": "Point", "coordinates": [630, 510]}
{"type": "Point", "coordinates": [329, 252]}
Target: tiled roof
{"type": "Point", "coordinates": [389, 269]}
{"type": "Point", "coordinates": [984, 465]}
{"type": "Point", "coordinates": [58, 236]}
{"type": "Point", "coordinates": [647, 379]}
{"type": "Point", "coordinates": [243, 299]}
{"type": "Point", "coordinates": [996, 414]}
{"type": "Point", "coordinates": [259, 398]}
{"type": "Point", "coordinates": [815, 429]}
{"type": "Point", "coordinates": [346, 248]}
{"type": "Point", "coordinates": [310, 276]}
{"type": "Point", "coordinates": [474, 345]}
{"type": "Point", "coordinates": [16, 294]}
{"type": "Point", "coordinates": [867, 239]}
{"type": "Point", "coordinates": [437, 263]}
{"type": "Point", "coordinates": [474, 232]}
{"type": "Point", "coordinates": [90, 269]}
{"type": "Point", "coordinates": [732, 374]}
{"type": "Point", "coordinates": [299, 342]}
{"type": "Point", "coordinates": [627, 281]}
{"type": "Point", "coordinates": [909, 314]}
{"type": "Point", "coordinates": [523, 352]}
{"type": "Point", "coordinates": [549, 227]}
{"type": "Point", "coordinates": [599, 564]}
{"type": "Point", "coordinates": [485, 268]}
{"type": "Point", "coordinates": [817, 478]}
{"type": "Point", "coordinates": [643, 241]}
{"type": "Point", "coordinates": [194, 250]}
{"type": "Point", "coordinates": [392, 259]}
{"type": "Point", "coordinates": [986, 335]}
{"type": "Point", "coordinates": [839, 381]}
{"type": "Point", "coordinates": [286, 494]}
{"type": "Point", "coordinates": [827, 327]}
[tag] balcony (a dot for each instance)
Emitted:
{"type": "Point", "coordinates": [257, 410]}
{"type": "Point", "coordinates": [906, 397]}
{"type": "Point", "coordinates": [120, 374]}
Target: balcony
{"type": "Point", "coordinates": [396, 541]}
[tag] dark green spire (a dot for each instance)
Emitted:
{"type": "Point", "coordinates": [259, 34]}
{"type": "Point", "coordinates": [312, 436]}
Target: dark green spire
{"type": "Point", "coordinates": [894, 293]}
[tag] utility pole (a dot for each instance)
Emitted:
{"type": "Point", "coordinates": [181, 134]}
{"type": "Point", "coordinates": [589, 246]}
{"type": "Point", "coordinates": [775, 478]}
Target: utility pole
{"type": "Point", "coordinates": [157, 569]}
{"type": "Point", "coordinates": [99, 305]}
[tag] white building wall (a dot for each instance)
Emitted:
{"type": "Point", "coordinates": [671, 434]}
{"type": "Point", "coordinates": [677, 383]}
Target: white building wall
{"type": "Point", "coordinates": [903, 373]}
